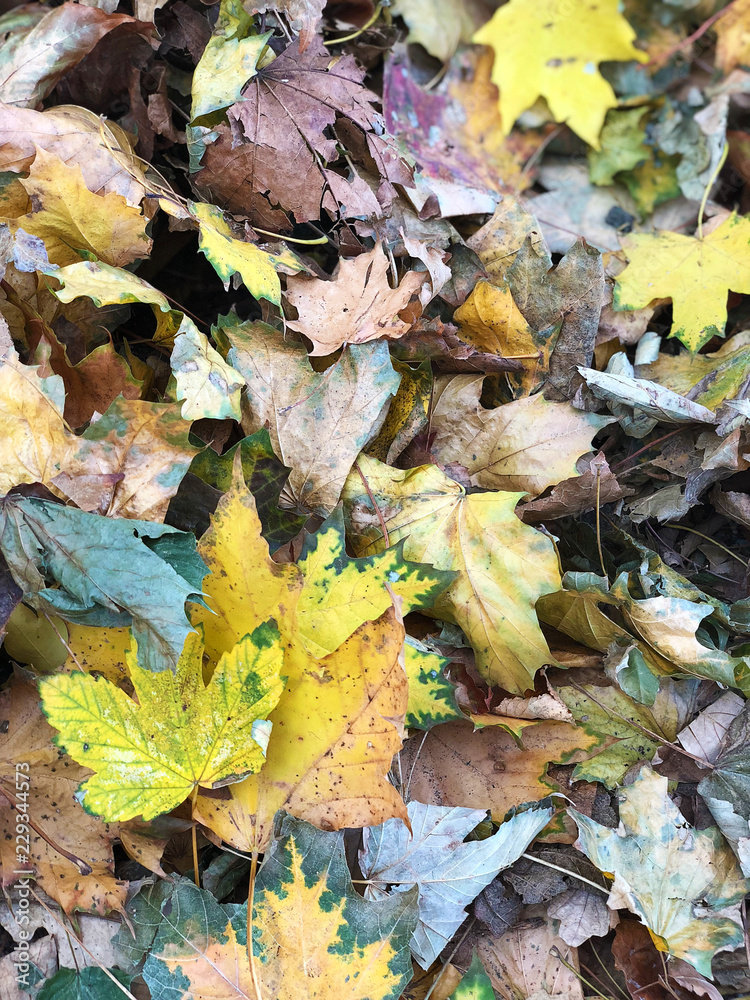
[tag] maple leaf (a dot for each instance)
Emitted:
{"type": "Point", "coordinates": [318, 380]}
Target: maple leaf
{"type": "Point", "coordinates": [347, 404]}
{"type": "Point", "coordinates": [448, 872]}
{"type": "Point", "coordinates": [337, 726]}
{"type": "Point", "coordinates": [229, 256]}
{"type": "Point", "coordinates": [695, 273]}
{"type": "Point", "coordinates": [455, 765]}
{"type": "Point", "coordinates": [51, 804]}
{"type": "Point", "coordinates": [229, 60]}
{"type": "Point", "coordinates": [245, 587]}
{"type": "Point", "coordinates": [545, 50]}
{"type": "Point", "coordinates": [143, 761]}
{"type": "Point", "coordinates": [313, 935]}
{"type": "Point", "coordinates": [491, 321]}
{"type": "Point", "coordinates": [340, 593]}
{"type": "Point", "coordinates": [62, 559]}
{"type": "Point", "coordinates": [357, 305]}
{"type": "Point", "coordinates": [527, 444]}
{"type": "Point", "coordinates": [282, 118]}
{"type": "Point", "coordinates": [503, 566]}
{"type": "Point", "coordinates": [661, 866]}
{"type": "Point", "coordinates": [432, 697]}
{"type": "Point", "coordinates": [73, 221]}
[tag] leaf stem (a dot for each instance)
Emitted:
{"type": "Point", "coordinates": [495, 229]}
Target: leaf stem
{"type": "Point", "coordinates": [355, 34]}
{"type": "Point", "coordinates": [194, 833]}
{"type": "Point", "coordinates": [250, 907]}
{"type": "Point", "coordinates": [566, 871]}
{"type": "Point", "coordinates": [709, 185]}
{"type": "Point", "coordinates": [378, 511]}
{"type": "Point", "coordinates": [682, 527]}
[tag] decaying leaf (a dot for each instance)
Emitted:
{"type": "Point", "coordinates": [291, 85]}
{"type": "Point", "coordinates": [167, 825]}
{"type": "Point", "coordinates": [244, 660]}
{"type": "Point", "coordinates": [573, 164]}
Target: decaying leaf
{"type": "Point", "coordinates": [661, 866]}
{"type": "Point", "coordinates": [356, 306]}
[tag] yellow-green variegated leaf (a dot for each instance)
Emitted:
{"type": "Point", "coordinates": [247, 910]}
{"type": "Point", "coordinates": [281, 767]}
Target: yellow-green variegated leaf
{"type": "Point", "coordinates": [341, 593]}
{"type": "Point", "coordinates": [432, 697]}
{"type": "Point", "coordinates": [229, 256]}
{"type": "Point", "coordinates": [209, 385]}
{"type": "Point", "coordinates": [149, 756]}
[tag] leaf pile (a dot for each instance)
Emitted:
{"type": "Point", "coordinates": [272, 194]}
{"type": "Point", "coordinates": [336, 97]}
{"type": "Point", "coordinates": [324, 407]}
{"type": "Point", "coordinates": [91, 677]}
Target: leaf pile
{"type": "Point", "coordinates": [374, 499]}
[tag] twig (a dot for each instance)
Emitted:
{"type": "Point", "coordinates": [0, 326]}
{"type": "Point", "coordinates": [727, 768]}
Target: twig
{"type": "Point", "coordinates": [566, 871]}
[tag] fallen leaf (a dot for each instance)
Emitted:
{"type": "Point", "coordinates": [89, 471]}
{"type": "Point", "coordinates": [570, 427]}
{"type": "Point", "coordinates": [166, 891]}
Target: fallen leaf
{"type": "Point", "coordinates": [56, 43]}
{"type": "Point", "coordinates": [503, 567]}
{"type": "Point", "coordinates": [132, 460]}
{"type": "Point", "coordinates": [340, 593]}
{"type": "Point", "coordinates": [106, 572]}
{"type": "Point", "coordinates": [448, 872]}
{"type": "Point", "coordinates": [595, 487]}
{"type": "Point", "coordinates": [646, 397]}
{"type": "Point", "coordinates": [491, 321]}
{"type": "Point", "coordinates": [229, 256]}
{"type": "Point", "coordinates": [228, 61]}
{"type": "Point", "coordinates": [732, 42]}
{"type": "Point", "coordinates": [70, 218]}
{"type": "Point", "coordinates": [560, 64]}
{"type": "Point", "coordinates": [475, 983]}
{"type": "Point", "coordinates": [304, 15]}
{"type": "Point", "coordinates": [432, 697]}
{"type": "Point", "coordinates": [74, 135]}
{"type": "Point", "coordinates": [313, 935]}
{"type": "Point", "coordinates": [695, 273]}
{"type": "Point", "coordinates": [244, 587]}
{"type": "Point", "coordinates": [661, 865]}
{"type": "Point", "coordinates": [582, 914]}
{"type": "Point", "coordinates": [280, 123]}
{"type": "Point", "coordinates": [347, 402]}
{"type": "Point", "coordinates": [531, 960]}
{"type": "Point", "coordinates": [439, 26]}
{"type": "Point", "coordinates": [143, 765]}
{"type": "Point", "coordinates": [335, 731]}
{"type": "Point", "coordinates": [525, 445]}
{"type": "Point", "coordinates": [356, 306]}
{"type": "Point", "coordinates": [500, 775]}
{"type": "Point", "coordinates": [49, 801]}
{"type": "Point", "coordinates": [210, 387]}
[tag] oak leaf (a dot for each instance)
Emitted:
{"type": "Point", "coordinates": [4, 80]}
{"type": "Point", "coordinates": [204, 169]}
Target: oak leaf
{"type": "Point", "coordinates": [543, 50]}
{"type": "Point", "coordinates": [357, 305]}
{"type": "Point", "coordinates": [181, 735]}
{"type": "Point", "coordinates": [503, 566]}
{"type": "Point", "coordinates": [695, 273]}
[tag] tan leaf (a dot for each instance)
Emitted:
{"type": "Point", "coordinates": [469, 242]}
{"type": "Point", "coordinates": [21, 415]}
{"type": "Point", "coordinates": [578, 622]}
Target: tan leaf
{"type": "Point", "coordinates": [356, 306]}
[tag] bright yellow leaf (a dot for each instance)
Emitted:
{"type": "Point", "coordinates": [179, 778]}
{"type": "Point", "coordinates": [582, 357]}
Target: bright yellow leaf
{"type": "Point", "coordinates": [150, 755]}
{"type": "Point", "coordinates": [69, 218]}
{"type": "Point", "coordinates": [544, 48]}
{"type": "Point", "coordinates": [335, 730]}
{"type": "Point", "coordinates": [245, 586]}
{"type": "Point", "coordinates": [503, 565]}
{"type": "Point", "coordinates": [229, 256]}
{"type": "Point", "coordinates": [99, 651]}
{"type": "Point", "coordinates": [695, 273]}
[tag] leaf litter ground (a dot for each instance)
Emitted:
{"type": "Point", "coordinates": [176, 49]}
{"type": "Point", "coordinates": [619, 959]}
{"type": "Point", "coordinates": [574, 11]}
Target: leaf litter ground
{"type": "Point", "coordinates": [374, 453]}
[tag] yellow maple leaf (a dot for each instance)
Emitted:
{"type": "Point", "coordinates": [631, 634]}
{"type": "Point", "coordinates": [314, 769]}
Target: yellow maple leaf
{"type": "Point", "coordinates": [69, 218]}
{"type": "Point", "coordinates": [503, 566]}
{"type": "Point", "coordinates": [695, 273]}
{"type": "Point", "coordinates": [335, 730]}
{"type": "Point", "coordinates": [182, 734]}
{"type": "Point", "coordinates": [547, 49]}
